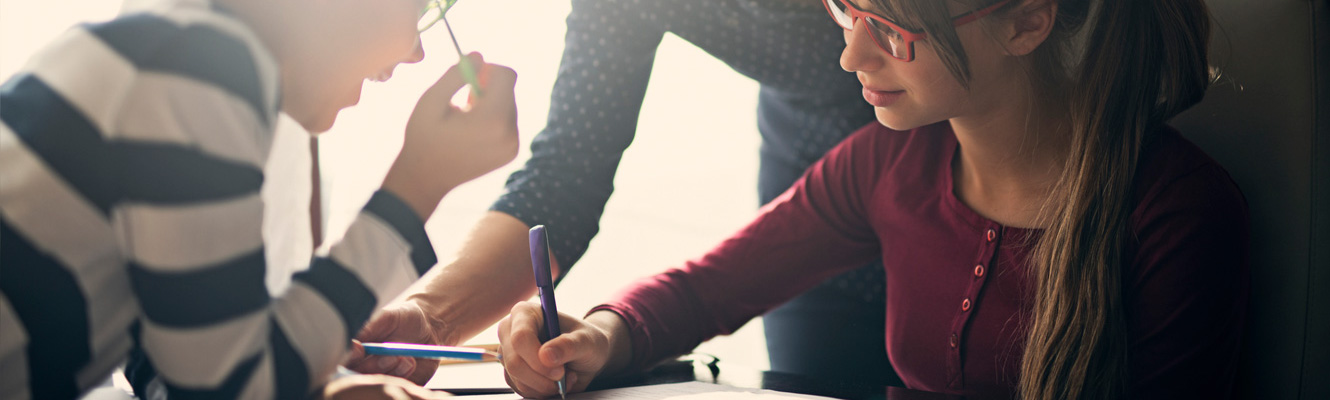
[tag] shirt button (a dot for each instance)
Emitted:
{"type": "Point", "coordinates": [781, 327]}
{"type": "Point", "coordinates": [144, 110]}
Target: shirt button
{"type": "Point", "coordinates": [992, 234]}
{"type": "Point", "coordinates": [954, 340]}
{"type": "Point", "coordinates": [965, 305]}
{"type": "Point", "coordinates": [979, 271]}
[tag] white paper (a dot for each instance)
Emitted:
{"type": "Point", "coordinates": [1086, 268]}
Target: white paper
{"type": "Point", "coordinates": [674, 391]}
{"type": "Point", "coordinates": [487, 375]}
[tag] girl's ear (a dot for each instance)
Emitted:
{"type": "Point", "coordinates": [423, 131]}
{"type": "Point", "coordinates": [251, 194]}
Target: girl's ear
{"type": "Point", "coordinates": [1029, 24]}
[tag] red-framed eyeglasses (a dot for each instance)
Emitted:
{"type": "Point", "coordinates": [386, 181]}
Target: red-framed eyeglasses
{"type": "Point", "coordinates": [889, 36]}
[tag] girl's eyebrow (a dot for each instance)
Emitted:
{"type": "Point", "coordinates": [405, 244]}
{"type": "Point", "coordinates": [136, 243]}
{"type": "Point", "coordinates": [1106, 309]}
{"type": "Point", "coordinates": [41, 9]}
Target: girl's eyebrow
{"type": "Point", "coordinates": [870, 7]}
{"type": "Point", "coordinates": [867, 5]}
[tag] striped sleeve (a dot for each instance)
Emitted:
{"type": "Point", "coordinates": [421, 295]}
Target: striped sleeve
{"type": "Point", "coordinates": [259, 346]}
{"type": "Point", "coordinates": [165, 146]}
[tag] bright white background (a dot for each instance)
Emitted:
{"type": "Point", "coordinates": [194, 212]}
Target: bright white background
{"type": "Point", "coordinates": [687, 181]}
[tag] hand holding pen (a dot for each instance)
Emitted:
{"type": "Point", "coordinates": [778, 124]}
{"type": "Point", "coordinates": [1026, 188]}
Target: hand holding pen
{"type": "Point", "coordinates": [568, 358]}
{"type": "Point", "coordinates": [533, 370]}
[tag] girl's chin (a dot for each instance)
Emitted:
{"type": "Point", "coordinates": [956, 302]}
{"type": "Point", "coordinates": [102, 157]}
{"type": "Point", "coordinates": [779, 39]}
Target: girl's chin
{"type": "Point", "coordinates": [895, 121]}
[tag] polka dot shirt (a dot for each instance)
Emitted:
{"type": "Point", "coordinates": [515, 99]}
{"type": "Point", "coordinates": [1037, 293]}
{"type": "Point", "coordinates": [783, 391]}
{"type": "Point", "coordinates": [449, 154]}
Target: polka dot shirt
{"type": "Point", "coordinates": [806, 105]}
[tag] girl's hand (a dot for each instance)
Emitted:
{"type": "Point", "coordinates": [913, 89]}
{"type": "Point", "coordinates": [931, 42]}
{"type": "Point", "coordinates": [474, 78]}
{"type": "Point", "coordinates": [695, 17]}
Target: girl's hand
{"type": "Point", "coordinates": [532, 369]}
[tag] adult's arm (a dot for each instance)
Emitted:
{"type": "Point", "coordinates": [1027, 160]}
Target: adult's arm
{"type": "Point", "coordinates": [492, 272]}
{"type": "Point", "coordinates": [608, 54]}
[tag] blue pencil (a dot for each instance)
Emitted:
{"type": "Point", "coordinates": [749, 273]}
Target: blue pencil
{"type": "Point", "coordinates": [429, 351]}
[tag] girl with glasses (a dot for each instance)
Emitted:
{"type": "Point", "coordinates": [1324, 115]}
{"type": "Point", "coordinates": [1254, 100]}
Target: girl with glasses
{"type": "Point", "coordinates": [1044, 233]}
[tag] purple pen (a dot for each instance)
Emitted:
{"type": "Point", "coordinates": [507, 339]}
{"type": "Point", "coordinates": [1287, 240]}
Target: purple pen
{"type": "Point", "coordinates": [540, 262]}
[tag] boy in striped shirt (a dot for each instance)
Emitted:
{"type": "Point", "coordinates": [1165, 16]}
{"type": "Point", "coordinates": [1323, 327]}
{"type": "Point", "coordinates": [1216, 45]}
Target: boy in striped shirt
{"type": "Point", "coordinates": [131, 157]}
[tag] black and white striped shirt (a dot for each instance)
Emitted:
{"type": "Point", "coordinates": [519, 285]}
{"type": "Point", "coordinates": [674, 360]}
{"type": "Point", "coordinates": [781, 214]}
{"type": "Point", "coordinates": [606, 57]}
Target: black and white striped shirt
{"type": "Point", "coordinates": [131, 157]}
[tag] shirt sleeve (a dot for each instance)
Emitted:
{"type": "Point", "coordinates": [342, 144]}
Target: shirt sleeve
{"type": "Point", "coordinates": [813, 231]}
{"type": "Point", "coordinates": [609, 50]}
{"type": "Point", "coordinates": [188, 154]}
{"type": "Point", "coordinates": [256, 345]}
{"type": "Point", "coordinates": [1188, 294]}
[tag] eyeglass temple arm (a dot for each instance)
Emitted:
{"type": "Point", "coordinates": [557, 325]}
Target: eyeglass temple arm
{"type": "Point", "coordinates": [973, 15]}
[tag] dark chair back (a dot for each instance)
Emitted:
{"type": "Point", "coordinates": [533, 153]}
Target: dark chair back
{"type": "Point", "coordinates": [1268, 123]}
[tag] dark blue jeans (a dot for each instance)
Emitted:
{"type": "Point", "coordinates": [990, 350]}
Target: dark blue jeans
{"type": "Point", "coordinates": [834, 330]}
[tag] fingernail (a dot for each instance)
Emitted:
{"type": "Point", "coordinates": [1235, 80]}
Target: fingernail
{"type": "Point", "coordinates": [556, 354]}
{"type": "Point", "coordinates": [402, 369]}
{"type": "Point", "coordinates": [555, 374]}
{"type": "Point", "coordinates": [387, 363]}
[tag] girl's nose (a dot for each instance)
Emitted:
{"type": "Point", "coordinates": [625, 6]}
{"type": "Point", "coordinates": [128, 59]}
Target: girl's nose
{"type": "Point", "coordinates": [861, 53]}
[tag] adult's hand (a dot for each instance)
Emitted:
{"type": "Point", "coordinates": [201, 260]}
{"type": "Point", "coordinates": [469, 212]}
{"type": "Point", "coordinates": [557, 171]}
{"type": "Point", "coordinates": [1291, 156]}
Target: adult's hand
{"type": "Point", "coordinates": [405, 322]}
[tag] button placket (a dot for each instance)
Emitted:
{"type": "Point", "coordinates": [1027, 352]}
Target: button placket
{"type": "Point", "coordinates": [989, 244]}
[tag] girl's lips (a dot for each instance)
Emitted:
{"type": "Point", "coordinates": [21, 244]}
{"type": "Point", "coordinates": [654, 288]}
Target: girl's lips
{"type": "Point", "coordinates": [880, 98]}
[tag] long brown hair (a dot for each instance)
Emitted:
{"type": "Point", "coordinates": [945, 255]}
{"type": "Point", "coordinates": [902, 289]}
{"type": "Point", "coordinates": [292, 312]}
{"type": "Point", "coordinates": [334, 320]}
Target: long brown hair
{"type": "Point", "coordinates": [1125, 67]}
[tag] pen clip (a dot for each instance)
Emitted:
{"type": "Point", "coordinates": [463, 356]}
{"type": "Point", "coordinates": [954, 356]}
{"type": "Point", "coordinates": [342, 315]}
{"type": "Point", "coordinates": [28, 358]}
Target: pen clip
{"type": "Point", "coordinates": [540, 264]}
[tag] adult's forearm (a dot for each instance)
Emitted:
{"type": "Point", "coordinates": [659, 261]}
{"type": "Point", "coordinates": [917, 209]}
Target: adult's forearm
{"type": "Point", "coordinates": [492, 272]}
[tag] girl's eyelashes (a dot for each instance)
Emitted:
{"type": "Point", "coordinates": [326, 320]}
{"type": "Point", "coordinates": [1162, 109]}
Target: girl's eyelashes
{"type": "Point", "coordinates": [887, 33]}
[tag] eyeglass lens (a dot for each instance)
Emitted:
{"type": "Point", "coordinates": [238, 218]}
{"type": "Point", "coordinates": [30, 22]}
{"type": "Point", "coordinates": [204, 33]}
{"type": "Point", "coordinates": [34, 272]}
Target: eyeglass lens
{"type": "Point", "coordinates": [883, 34]}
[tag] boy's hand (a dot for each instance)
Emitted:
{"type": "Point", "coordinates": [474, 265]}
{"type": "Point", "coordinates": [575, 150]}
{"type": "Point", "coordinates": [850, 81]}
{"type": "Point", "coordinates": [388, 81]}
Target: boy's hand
{"type": "Point", "coordinates": [404, 322]}
{"type": "Point", "coordinates": [446, 146]}
{"type": "Point", "coordinates": [581, 352]}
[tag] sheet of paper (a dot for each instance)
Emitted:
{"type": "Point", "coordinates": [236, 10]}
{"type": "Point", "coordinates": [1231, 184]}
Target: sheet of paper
{"type": "Point", "coordinates": [471, 376]}
{"type": "Point", "coordinates": [674, 391]}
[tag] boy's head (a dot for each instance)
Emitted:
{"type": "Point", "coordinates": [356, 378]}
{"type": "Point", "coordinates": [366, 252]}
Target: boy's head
{"type": "Point", "coordinates": [328, 48]}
